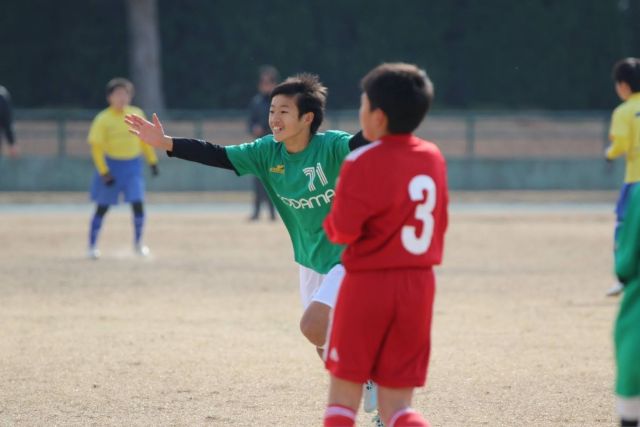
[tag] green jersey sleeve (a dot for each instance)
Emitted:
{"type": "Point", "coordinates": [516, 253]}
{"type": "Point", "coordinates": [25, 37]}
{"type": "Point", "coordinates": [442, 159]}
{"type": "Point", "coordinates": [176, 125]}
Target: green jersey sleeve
{"type": "Point", "coordinates": [339, 141]}
{"type": "Point", "coordinates": [251, 158]}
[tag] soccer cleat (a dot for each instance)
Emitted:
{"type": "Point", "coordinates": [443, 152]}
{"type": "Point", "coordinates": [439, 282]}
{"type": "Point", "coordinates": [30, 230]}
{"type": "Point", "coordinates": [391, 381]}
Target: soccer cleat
{"type": "Point", "coordinates": [377, 421]}
{"type": "Point", "coordinates": [93, 253]}
{"type": "Point", "coordinates": [615, 290]}
{"type": "Point", "coordinates": [370, 396]}
{"type": "Point", "coordinates": [142, 250]}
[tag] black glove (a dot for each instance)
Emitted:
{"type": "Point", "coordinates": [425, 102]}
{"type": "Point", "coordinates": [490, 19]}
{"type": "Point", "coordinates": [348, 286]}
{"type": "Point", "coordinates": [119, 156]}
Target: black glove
{"type": "Point", "coordinates": [108, 179]}
{"type": "Point", "coordinates": [154, 170]}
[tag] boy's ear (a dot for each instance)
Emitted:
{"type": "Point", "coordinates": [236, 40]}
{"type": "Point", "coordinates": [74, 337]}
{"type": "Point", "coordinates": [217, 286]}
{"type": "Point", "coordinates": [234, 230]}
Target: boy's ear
{"type": "Point", "coordinates": [382, 121]}
{"type": "Point", "coordinates": [623, 89]}
{"type": "Point", "coordinates": [308, 118]}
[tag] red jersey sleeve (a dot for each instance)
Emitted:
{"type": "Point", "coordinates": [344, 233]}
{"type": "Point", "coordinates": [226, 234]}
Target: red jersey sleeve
{"type": "Point", "coordinates": [350, 209]}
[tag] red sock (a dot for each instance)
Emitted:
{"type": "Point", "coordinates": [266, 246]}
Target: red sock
{"type": "Point", "coordinates": [408, 418]}
{"type": "Point", "coordinates": [339, 416]}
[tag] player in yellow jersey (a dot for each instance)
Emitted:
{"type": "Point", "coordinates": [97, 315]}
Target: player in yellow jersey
{"type": "Point", "coordinates": [117, 155]}
{"type": "Point", "coordinates": [624, 135]}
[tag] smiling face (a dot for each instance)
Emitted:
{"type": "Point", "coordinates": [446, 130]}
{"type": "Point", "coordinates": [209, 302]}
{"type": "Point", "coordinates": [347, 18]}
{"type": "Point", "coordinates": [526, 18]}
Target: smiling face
{"type": "Point", "coordinates": [284, 119]}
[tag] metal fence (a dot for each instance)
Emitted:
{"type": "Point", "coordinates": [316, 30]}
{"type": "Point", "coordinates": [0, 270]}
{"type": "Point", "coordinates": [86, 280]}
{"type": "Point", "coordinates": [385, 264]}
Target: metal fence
{"type": "Point", "coordinates": [498, 134]}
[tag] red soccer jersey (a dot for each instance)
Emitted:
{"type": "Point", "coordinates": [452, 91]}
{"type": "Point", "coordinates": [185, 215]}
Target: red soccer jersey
{"type": "Point", "coordinates": [391, 205]}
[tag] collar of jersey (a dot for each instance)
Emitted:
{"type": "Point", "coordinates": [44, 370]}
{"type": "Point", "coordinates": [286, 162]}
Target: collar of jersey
{"type": "Point", "coordinates": [116, 112]}
{"type": "Point", "coordinates": [634, 96]}
{"type": "Point", "coordinates": [293, 157]}
{"type": "Point", "coordinates": [398, 137]}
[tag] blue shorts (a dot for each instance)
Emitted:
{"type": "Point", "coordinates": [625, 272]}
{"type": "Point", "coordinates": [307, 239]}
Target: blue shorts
{"type": "Point", "coordinates": [129, 181]}
{"type": "Point", "coordinates": [623, 199]}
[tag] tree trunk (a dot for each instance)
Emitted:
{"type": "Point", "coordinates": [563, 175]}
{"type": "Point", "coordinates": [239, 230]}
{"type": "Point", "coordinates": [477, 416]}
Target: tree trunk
{"type": "Point", "coordinates": [144, 54]}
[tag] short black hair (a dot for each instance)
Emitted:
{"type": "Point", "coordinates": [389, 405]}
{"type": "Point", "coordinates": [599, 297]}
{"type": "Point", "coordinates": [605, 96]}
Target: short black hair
{"type": "Point", "coordinates": [309, 93]}
{"type": "Point", "coordinates": [119, 82]}
{"type": "Point", "coordinates": [627, 70]}
{"type": "Point", "coordinates": [402, 91]}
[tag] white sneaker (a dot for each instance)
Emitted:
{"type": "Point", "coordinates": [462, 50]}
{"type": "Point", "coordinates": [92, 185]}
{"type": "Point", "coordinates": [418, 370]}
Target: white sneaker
{"type": "Point", "coordinates": [370, 396]}
{"type": "Point", "coordinates": [142, 250]}
{"type": "Point", "coordinates": [615, 290]}
{"type": "Point", "coordinates": [93, 253]}
{"type": "Point", "coordinates": [377, 421]}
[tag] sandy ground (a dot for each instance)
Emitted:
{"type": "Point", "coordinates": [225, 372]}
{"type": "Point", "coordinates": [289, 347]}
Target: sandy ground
{"type": "Point", "coordinates": [205, 332]}
{"type": "Point", "coordinates": [187, 198]}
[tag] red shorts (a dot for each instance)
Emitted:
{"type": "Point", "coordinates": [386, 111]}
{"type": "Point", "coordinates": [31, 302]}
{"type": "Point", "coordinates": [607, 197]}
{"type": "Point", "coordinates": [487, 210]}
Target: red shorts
{"type": "Point", "coordinates": [381, 328]}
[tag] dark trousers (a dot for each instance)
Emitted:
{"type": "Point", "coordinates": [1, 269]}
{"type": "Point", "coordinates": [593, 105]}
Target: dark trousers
{"type": "Point", "coordinates": [260, 196]}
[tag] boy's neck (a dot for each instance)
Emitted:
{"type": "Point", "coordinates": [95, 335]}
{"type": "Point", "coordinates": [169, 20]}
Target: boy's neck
{"type": "Point", "coordinates": [116, 109]}
{"type": "Point", "coordinates": [377, 136]}
{"type": "Point", "coordinates": [298, 142]}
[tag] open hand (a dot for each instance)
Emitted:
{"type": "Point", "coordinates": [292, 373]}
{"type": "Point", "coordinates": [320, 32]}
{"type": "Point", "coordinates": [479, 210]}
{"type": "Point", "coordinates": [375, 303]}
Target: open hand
{"type": "Point", "coordinates": [150, 133]}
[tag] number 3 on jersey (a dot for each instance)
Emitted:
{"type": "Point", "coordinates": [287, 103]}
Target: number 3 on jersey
{"type": "Point", "coordinates": [413, 243]}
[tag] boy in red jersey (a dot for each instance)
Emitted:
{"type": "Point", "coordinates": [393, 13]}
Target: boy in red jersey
{"type": "Point", "coordinates": [391, 210]}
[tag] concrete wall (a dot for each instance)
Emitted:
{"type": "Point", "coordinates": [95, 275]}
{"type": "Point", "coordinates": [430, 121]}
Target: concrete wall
{"type": "Point", "coordinates": [534, 174]}
{"type": "Point", "coordinates": [32, 173]}
{"type": "Point", "coordinates": [75, 174]}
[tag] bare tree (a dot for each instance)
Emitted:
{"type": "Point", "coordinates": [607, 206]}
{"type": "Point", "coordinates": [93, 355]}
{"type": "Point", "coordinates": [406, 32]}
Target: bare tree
{"type": "Point", "coordinates": [144, 54]}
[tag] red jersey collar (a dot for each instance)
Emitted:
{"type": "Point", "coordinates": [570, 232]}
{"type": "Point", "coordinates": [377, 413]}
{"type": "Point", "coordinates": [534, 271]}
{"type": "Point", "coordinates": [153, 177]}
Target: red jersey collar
{"type": "Point", "coordinates": [398, 137]}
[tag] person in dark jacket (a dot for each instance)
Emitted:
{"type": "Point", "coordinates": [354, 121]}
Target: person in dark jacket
{"type": "Point", "coordinates": [258, 125]}
{"type": "Point", "coordinates": [6, 122]}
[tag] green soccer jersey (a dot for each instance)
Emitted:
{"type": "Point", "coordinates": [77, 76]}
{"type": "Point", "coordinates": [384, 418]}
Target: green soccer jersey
{"type": "Point", "coordinates": [301, 186]}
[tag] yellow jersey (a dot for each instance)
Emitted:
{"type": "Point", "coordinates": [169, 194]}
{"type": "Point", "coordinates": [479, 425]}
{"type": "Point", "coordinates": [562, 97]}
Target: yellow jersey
{"type": "Point", "coordinates": [625, 136]}
{"type": "Point", "coordinates": [109, 136]}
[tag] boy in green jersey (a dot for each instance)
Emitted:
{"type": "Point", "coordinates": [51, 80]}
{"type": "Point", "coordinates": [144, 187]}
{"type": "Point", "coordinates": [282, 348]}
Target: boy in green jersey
{"type": "Point", "coordinates": [298, 167]}
{"type": "Point", "coordinates": [627, 326]}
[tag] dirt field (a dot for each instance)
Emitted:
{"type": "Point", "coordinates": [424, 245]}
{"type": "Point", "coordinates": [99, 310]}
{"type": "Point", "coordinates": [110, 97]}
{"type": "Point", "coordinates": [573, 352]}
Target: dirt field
{"type": "Point", "coordinates": [205, 332]}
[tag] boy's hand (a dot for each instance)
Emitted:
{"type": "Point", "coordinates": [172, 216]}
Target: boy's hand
{"type": "Point", "coordinates": [150, 133]}
{"type": "Point", "coordinates": [108, 179]}
{"type": "Point", "coordinates": [154, 170]}
{"type": "Point", "coordinates": [608, 165]}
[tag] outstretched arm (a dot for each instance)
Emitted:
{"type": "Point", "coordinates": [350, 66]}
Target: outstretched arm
{"type": "Point", "coordinates": [188, 149]}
